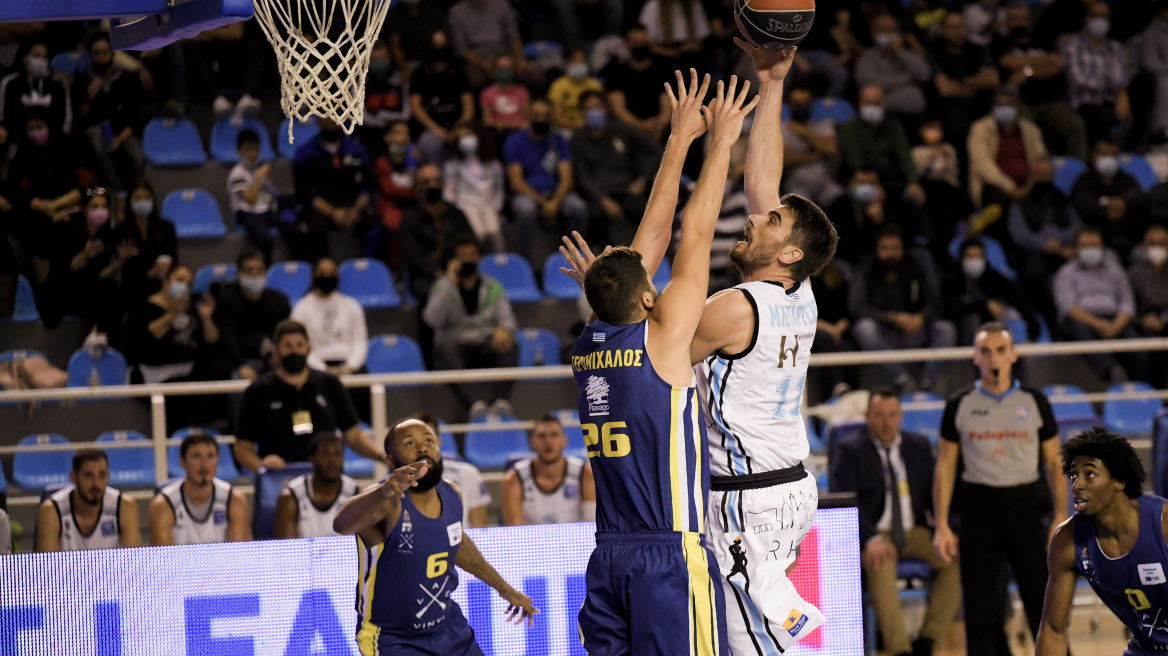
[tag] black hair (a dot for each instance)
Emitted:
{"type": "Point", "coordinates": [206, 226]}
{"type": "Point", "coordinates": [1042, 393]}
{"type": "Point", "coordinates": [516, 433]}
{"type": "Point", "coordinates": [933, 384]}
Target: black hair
{"type": "Point", "coordinates": [486, 151]}
{"type": "Point", "coordinates": [994, 327]}
{"type": "Point", "coordinates": [95, 37]}
{"type": "Point", "coordinates": [614, 284]}
{"type": "Point", "coordinates": [1114, 451]}
{"type": "Point", "coordinates": [813, 232]}
{"type": "Point", "coordinates": [316, 263]}
{"type": "Point", "coordinates": [249, 253]}
{"type": "Point", "coordinates": [587, 95]}
{"type": "Point", "coordinates": [288, 327]}
{"type": "Point", "coordinates": [320, 439]}
{"type": "Point", "coordinates": [466, 239]}
{"type": "Point", "coordinates": [246, 137]}
{"type": "Point", "coordinates": [195, 438]}
{"type": "Point", "coordinates": [971, 242]}
{"type": "Point", "coordinates": [884, 392]}
{"type": "Point", "coordinates": [83, 456]}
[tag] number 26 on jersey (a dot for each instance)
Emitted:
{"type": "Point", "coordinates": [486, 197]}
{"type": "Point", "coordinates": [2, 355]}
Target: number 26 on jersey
{"type": "Point", "coordinates": [612, 442]}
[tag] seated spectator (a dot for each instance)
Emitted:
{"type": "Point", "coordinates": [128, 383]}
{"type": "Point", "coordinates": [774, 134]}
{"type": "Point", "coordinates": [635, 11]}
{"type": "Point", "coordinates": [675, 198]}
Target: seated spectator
{"type": "Point", "coordinates": [984, 19]}
{"type": "Point", "coordinates": [976, 294]}
{"type": "Point", "coordinates": [1042, 227]}
{"type": "Point", "coordinates": [539, 170]}
{"type": "Point", "coordinates": [1149, 281]}
{"type": "Point", "coordinates": [394, 172]}
{"type": "Point", "coordinates": [387, 95]}
{"type": "Point", "coordinates": [829, 285]}
{"type": "Point", "coordinates": [482, 30]}
{"type": "Point", "coordinates": [107, 109]}
{"type": "Point", "coordinates": [875, 141]}
{"type": "Point", "coordinates": [307, 505]}
{"type": "Point", "coordinates": [333, 180]}
{"type": "Point", "coordinates": [33, 86]}
{"type": "Point", "coordinates": [335, 323]}
{"type": "Point", "coordinates": [678, 30]}
{"type": "Point", "coordinates": [199, 508]}
{"type": "Point", "coordinates": [167, 334]}
{"type": "Point", "coordinates": [895, 302]}
{"type": "Point", "coordinates": [505, 104]}
{"type": "Point", "coordinates": [253, 197]}
{"type": "Point", "coordinates": [88, 514]}
{"type": "Point", "coordinates": [428, 232]}
{"type": "Point", "coordinates": [247, 312]}
{"type": "Point", "coordinates": [440, 96]}
{"type": "Point", "coordinates": [82, 277]}
{"type": "Point", "coordinates": [474, 183]}
{"type": "Point", "coordinates": [1096, 73]}
{"type": "Point", "coordinates": [474, 326]}
{"type": "Point", "coordinates": [410, 25]}
{"type": "Point", "coordinates": [475, 495]}
{"type": "Point", "coordinates": [963, 76]}
{"type": "Point", "coordinates": [1111, 200]}
{"type": "Point", "coordinates": [810, 151]}
{"type": "Point", "coordinates": [569, 17]}
{"type": "Point", "coordinates": [566, 91]}
{"type": "Point", "coordinates": [891, 473]}
{"type": "Point", "coordinates": [147, 246]}
{"type": "Point", "coordinates": [614, 164]}
{"type": "Point", "coordinates": [1094, 299]}
{"type": "Point", "coordinates": [898, 70]}
{"type": "Point", "coordinates": [282, 409]}
{"type": "Point", "coordinates": [1002, 150]}
{"type": "Point", "coordinates": [860, 215]}
{"type": "Point", "coordinates": [549, 487]}
{"type": "Point", "coordinates": [939, 173]}
{"type": "Point", "coordinates": [634, 86]}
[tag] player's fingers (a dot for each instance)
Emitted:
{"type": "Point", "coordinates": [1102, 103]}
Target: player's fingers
{"type": "Point", "coordinates": [705, 87]}
{"type": "Point", "coordinates": [693, 82]}
{"type": "Point", "coordinates": [721, 92]}
{"type": "Point", "coordinates": [733, 86]}
{"type": "Point", "coordinates": [569, 251]}
{"type": "Point", "coordinates": [744, 45]}
{"type": "Point", "coordinates": [751, 105]}
{"type": "Point", "coordinates": [743, 93]}
{"type": "Point", "coordinates": [583, 245]}
{"type": "Point", "coordinates": [672, 98]}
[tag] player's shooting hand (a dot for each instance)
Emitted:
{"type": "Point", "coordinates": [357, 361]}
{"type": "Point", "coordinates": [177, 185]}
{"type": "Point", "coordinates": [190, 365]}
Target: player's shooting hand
{"type": "Point", "coordinates": [579, 257]}
{"type": "Point", "coordinates": [519, 607]}
{"type": "Point", "coordinates": [687, 120]}
{"type": "Point", "coordinates": [403, 478]}
{"type": "Point", "coordinates": [726, 112]}
{"type": "Point", "coordinates": [771, 65]}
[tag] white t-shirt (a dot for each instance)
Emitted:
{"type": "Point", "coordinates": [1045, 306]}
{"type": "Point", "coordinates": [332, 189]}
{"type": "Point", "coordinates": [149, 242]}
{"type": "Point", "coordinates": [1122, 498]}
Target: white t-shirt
{"type": "Point", "coordinates": [336, 329]}
{"type": "Point", "coordinates": [313, 521]}
{"type": "Point", "coordinates": [208, 529]}
{"type": "Point", "coordinates": [563, 505]}
{"type": "Point", "coordinates": [470, 483]}
{"type": "Point", "coordinates": [241, 177]}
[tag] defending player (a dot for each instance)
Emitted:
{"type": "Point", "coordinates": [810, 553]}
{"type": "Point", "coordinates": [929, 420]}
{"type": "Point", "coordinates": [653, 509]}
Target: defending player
{"type": "Point", "coordinates": [1116, 540]}
{"type": "Point", "coordinates": [308, 503]}
{"type": "Point", "coordinates": [409, 538]}
{"type": "Point", "coordinates": [650, 582]}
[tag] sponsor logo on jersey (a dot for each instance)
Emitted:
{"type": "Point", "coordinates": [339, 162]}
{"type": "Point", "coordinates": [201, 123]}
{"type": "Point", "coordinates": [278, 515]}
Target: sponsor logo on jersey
{"type": "Point", "coordinates": [785, 352]}
{"type": "Point", "coordinates": [1152, 574]}
{"type": "Point", "coordinates": [597, 392]}
{"type": "Point", "coordinates": [794, 622]}
{"type": "Point", "coordinates": [405, 542]}
{"type": "Point", "coordinates": [798, 316]}
{"type": "Point", "coordinates": [454, 532]}
{"type": "Point", "coordinates": [569, 491]}
{"type": "Point", "coordinates": [108, 529]}
{"type": "Point", "coordinates": [1022, 413]}
{"type": "Point", "coordinates": [219, 517]}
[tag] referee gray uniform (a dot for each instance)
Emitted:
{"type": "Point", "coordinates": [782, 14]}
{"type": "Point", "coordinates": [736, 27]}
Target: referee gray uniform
{"type": "Point", "coordinates": [1003, 502]}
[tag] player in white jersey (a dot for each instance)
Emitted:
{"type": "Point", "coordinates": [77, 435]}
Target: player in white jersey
{"type": "Point", "coordinates": [198, 508]}
{"type": "Point", "coordinates": [465, 476]}
{"type": "Point", "coordinates": [549, 488]}
{"type": "Point", "coordinates": [89, 514]}
{"type": "Point", "coordinates": [752, 348]}
{"type": "Point", "coordinates": [308, 503]}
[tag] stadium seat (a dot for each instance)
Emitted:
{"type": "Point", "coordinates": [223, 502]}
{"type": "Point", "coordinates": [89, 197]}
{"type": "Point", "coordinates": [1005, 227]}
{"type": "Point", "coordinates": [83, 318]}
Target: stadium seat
{"type": "Point", "coordinates": [913, 569]}
{"type": "Point", "coordinates": [268, 486]}
{"type": "Point", "coordinates": [225, 133]}
{"type": "Point", "coordinates": [194, 213]}
{"type": "Point", "coordinates": [3, 483]}
{"type": "Point", "coordinates": [129, 466]}
{"type": "Point", "coordinates": [38, 470]}
{"type": "Point", "coordinates": [925, 422]}
{"type": "Point", "coordinates": [394, 354]}
{"type": "Point", "coordinates": [514, 273]}
{"type": "Point", "coordinates": [357, 465]}
{"type": "Point", "coordinates": [173, 142]}
{"type": "Point", "coordinates": [1139, 168]}
{"type": "Point", "coordinates": [661, 278]}
{"type": "Point", "coordinates": [227, 470]}
{"type": "Point", "coordinates": [995, 254]}
{"type": "Point", "coordinates": [292, 278]}
{"type": "Point", "coordinates": [25, 308]}
{"type": "Point", "coordinates": [492, 449]}
{"type": "Point", "coordinates": [832, 109]}
{"type": "Point", "coordinates": [1131, 418]}
{"type": "Point", "coordinates": [841, 431]}
{"type": "Point", "coordinates": [1075, 409]}
{"type": "Point", "coordinates": [1021, 333]}
{"type": "Point", "coordinates": [109, 368]}
{"type": "Point", "coordinates": [1071, 427]}
{"type": "Point", "coordinates": [538, 347]}
{"type": "Point", "coordinates": [556, 284]}
{"type": "Point", "coordinates": [369, 282]}
{"type": "Point", "coordinates": [1160, 453]}
{"type": "Point", "coordinates": [8, 357]}
{"type": "Point", "coordinates": [70, 62]}
{"type": "Point", "coordinates": [209, 274]}
{"type": "Point", "coordinates": [302, 133]}
{"type": "Point", "coordinates": [1066, 171]}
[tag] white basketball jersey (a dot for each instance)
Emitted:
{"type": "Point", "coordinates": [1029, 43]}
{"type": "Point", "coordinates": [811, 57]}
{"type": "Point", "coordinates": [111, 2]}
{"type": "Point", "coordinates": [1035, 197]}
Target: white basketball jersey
{"type": "Point", "coordinates": [470, 483]}
{"type": "Point", "coordinates": [105, 534]}
{"type": "Point", "coordinates": [313, 521]}
{"type": "Point", "coordinates": [560, 506]}
{"type": "Point", "coordinates": [753, 399]}
{"type": "Point", "coordinates": [207, 529]}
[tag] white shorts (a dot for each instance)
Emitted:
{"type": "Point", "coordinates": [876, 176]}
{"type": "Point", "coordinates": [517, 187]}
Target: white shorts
{"type": "Point", "coordinates": [755, 535]}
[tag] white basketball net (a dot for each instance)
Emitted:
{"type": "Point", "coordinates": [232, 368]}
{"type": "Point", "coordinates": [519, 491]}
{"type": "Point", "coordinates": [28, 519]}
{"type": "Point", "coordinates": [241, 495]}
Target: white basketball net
{"type": "Point", "coordinates": [323, 48]}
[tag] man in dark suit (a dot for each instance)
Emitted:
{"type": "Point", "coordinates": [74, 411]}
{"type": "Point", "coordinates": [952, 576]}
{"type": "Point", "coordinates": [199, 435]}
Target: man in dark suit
{"type": "Point", "coordinates": [867, 464]}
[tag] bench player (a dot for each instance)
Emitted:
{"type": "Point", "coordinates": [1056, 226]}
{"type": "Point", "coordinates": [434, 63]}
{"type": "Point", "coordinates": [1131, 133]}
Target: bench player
{"type": "Point", "coordinates": [89, 514]}
{"type": "Point", "coordinates": [308, 503]}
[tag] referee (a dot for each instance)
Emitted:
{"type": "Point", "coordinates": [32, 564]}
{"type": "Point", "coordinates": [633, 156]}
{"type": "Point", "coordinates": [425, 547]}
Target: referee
{"type": "Point", "coordinates": [999, 430]}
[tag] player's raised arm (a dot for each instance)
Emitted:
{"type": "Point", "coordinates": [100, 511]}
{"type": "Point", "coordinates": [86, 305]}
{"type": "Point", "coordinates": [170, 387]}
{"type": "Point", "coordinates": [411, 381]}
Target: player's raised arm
{"type": "Point", "coordinates": [376, 502]}
{"type": "Point", "coordinates": [1060, 593]}
{"type": "Point", "coordinates": [764, 155]}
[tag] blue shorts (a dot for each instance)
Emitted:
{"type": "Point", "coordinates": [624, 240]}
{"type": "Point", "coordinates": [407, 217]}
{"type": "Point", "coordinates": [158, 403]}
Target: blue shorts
{"type": "Point", "coordinates": [653, 594]}
{"type": "Point", "coordinates": [453, 638]}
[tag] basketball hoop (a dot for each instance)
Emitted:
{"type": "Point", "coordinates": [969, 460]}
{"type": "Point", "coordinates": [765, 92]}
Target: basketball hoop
{"type": "Point", "coordinates": [323, 49]}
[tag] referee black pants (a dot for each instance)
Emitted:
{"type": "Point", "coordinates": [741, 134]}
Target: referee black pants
{"type": "Point", "coordinates": [1001, 525]}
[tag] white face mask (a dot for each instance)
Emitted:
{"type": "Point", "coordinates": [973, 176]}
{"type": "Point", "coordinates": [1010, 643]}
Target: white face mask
{"type": "Point", "coordinates": [871, 114]}
{"type": "Point", "coordinates": [577, 71]}
{"type": "Point", "coordinates": [1106, 165]}
{"type": "Point", "coordinates": [973, 267]}
{"type": "Point", "coordinates": [468, 144]}
{"type": "Point", "coordinates": [178, 290]}
{"type": "Point", "coordinates": [1157, 255]}
{"type": "Point", "coordinates": [1098, 27]}
{"type": "Point", "coordinates": [253, 285]}
{"type": "Point", "coordinates": [1091, 256]}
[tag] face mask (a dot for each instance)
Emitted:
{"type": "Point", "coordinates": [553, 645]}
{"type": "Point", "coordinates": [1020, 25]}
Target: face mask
{"type": "Point", "coordinates": [890, 265]}
{"type": "Point", "coordinates": [577, 71]}
{"type": "Point", "coordinates": [331, 137]}
{"type": "Point", "coordinates": [253, 285]}
{"type": "Point", "coordinates": [1106, 165]}
{"type": "Point", "coordinates": [326, 284]}
{"type": "Point", "coordinates": [504, 75]}
{"type": "Point", "coordinates": [1091, 256]}
{"type": "Point", "coordinates": [468, 269]}
{"type": "Point", "coordinates": [1006, 114]}
{"type": "Point", "coordinates": [1157, 255]}
{"type": "Point", "coordinates": [800, 113]}
{"type": "Point", "coordinates": [38, 137]}
{"type": "Point", "coordinates": [432, 195]}
{"type": "Point", "coordinates": [541, 127]}
{"type": "Point", "coordinates": [178, 290]}
{"type": "Point", "coordinates": [468, 144]}
{"type": "Point", "coordinates": [885, 41]}
{"type": "Point", "coordinates": [932, 136]}
{"type": "Point", "coordinates": [871, 114]}
{"type": "Point", "coordinates": [1019, 33]}
{"type": "Point", "coordinates": [98, 216]}
{"type": "Point", "coordinates": [142, 206]}
{"type": "Point", "coordinates": [379, 66]}
{"type": "Point", "coordinates": [431, 479]}
{"type": "Point", "coordinates": [102, 68]}
{"type": "Point", "coordinates": [396, 149]}
{"type": "Point", "coordinates": [1042, 189]}
{"type": "Point", "coordinates": [640, 52]}
{"type": "Point", "coordinates": [38, 67]}
{"type": "Point", "coordinates": [595, 118]}
{"type": "Point", "coordinates": [1098, 27]}
{"type": "Point", "coordinates": [294, 363]}
{"type": "Point", "coordinates": [865, 193]}
{"type": "Point", "coordinates": [973, 267]}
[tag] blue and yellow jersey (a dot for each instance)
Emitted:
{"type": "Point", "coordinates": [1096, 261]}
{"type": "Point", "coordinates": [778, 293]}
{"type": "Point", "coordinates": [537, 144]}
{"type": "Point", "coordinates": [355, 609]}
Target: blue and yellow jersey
{"type": "Point", "coordinates": [645, 439]}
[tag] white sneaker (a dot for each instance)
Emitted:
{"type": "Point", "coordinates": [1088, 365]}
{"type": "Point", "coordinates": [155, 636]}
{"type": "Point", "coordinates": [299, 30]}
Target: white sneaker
{"type": "Point", "coordinates": [501, 407]}
{"type": "Point", "coordinates": [248, 106]}
{"type": "Point", "coordinates": [221, 107]}
{"type": "Point", "coordinates": [477, 409]}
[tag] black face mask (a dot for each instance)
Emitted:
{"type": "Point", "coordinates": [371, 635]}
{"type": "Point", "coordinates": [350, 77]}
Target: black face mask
{"type": "Point", "coordinates": [541, 127]}
{"type": "Point", "coordinates": [468, 269]}
{"type": "Point", "coordinates": [294, 363]}
{"type": "Point", "coordinates": [101, 68]}
{"type": "Point", "coordinates": [1043, 189]}
{"type": "Point", "coordinates": [1019, 33]}
{"type": "Point", "coordinates": [432, 195]}
{"type": "Point", "coordinates": [800, 113]}
{"type": "Point", "coordinates": [432, 477]}
{"type": "Point", "coordinates": [326, 284]}
{"type": "Point", "coordinates": [640, 52]}
{"type": "Point", "coordinates": [889, 266]}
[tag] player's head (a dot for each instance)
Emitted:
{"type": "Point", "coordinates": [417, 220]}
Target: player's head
{"type": "Point", "coordinates": [1103, 468]}
{"type": "Point", "coordinates": [884, 414]}
{"type": "Point", "coordinates": [292, 346]}
{"type": "Point", "coordinates": [796, 237]}
{"type": "Point", "coordinates": [90, 475]}
{"type": "Point", "coordinates": [412, 440]}
{"type": "Point", "coordinates": [248, 146]}
{"type": "Point", "coordinates": [548, 440]}
{"type": "Point", "coordinates": [618, 287]}
{"type": "Point", "coordinates": [199, 456]}
{"type": "Point", "coordinates": [994, 353]}
{"type": "Point", "coordinates": [326, 452]}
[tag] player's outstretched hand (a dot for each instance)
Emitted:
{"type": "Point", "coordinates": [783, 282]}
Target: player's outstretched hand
{"type": "Point", "coordinates": [687, 121]}
{"type": "Point", "coordinates": [403, 478]}
{"type": "Point", "coordinates": [727, 110]}
{"type": "Point", "coordinates": [770, 65]}
{"type": "Point", "coordinates": [519, 607]}
{"type": "Point", "coordinates": [579, 257]}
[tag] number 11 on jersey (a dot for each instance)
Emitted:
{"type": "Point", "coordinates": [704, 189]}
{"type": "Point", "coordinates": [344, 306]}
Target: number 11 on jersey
{"type": "Point", "coordinates": [783, 388]}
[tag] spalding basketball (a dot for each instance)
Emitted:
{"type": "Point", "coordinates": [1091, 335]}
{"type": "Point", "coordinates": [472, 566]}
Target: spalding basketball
{"type": "Point", "coordinates": [774, 24]}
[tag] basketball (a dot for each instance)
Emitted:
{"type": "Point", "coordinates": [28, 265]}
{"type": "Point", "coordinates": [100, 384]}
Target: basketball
{"type": "Point", "coordinates": [774, 24]}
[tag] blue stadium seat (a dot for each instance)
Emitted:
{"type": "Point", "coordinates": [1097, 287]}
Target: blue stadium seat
{"type": "Point", "coordinates": [291, 278]}
{"type": "Point", "coordinates": [1160, 453]}
{"type": "Point", "coordinates": [1131, 418]}
{"type": "Point", "coordinates": [661, 277]}
{"type": "Point", "coordinates": [514, 273]}
{"type": "Point", "coordinates": [995, 254]}
{"type": "Point", "coordinates": [70, 62]}
{"type": "Point", "coordinates": [209, 274]}
{"type": "Point", "coordinates": [1139, 168]}
{"type": "Point", "coordinates": [1066, 171]}
{"type": "Point", "coordinates": [224, 137]}
{"type": "Point", "coordinates": [538, 347]}
{"type": "Point", "coordinates": [1071, 427]}
{"type": "Point", "coordinates": [227, 470]}
{"type": "Point", "coordinates": [394, 354]}
{"type": "Point", "coordinates": [110, 367]}
{"type": "Point", "coordinates": [25, 308]}
{"type": "Point", "coordinates": [534, 49]}
{"type": "Point", "coordinates": [8, 357]}
{"type": "Point", "coordinates": [556, 284]}
{"type": "Point", "coordinates": [194, 213]}
{"type": "Point", "coordinates": [3, 482]}
{"type": "Point", "coordinates": [1017, 326]}
{"type": "Point", "coordinates": [1076, 409]}
{"type": "Point", "coordinates": [129, 466]}
{"type": "Point", "coordinates": [268, 486]}
{"type": "Point", "coordinates": [492, 449]}
{"type": "Point", "coordinates": [36, 471]}
{"type": "Point", "coordinates": [818, 445]}
{"type": "Point", "coordinates": [357, 465]}
{"type": "Point", "coordinates": [832, 109]}
{"type": "Point", "coordinates": [575, 434]}
{"type": "Point", "coordinates": [913, 569]}
{"type": "Point", "coordinates": [302, 133]}
{"type": "Point", "coordinates": [370, 282]}
{"type": "Point", "coordinates": [925, 422]}
{"type": "Point", "coordinates": [173, 142]}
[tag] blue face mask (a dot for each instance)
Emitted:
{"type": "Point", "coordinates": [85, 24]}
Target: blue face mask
{"type": "Point", "coordinates": [595, 118]}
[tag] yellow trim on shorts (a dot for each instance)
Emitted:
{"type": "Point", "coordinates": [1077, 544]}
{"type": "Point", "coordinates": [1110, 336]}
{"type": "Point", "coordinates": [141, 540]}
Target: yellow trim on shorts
{"type": "Point", "coordinates": [676, 474]}
{"type": "Point", "coordinates": [703, 616]}
{"type": "Point", "coordinates": [367, 639]}
{"type": "Point", "coordinates": [371, 585]}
